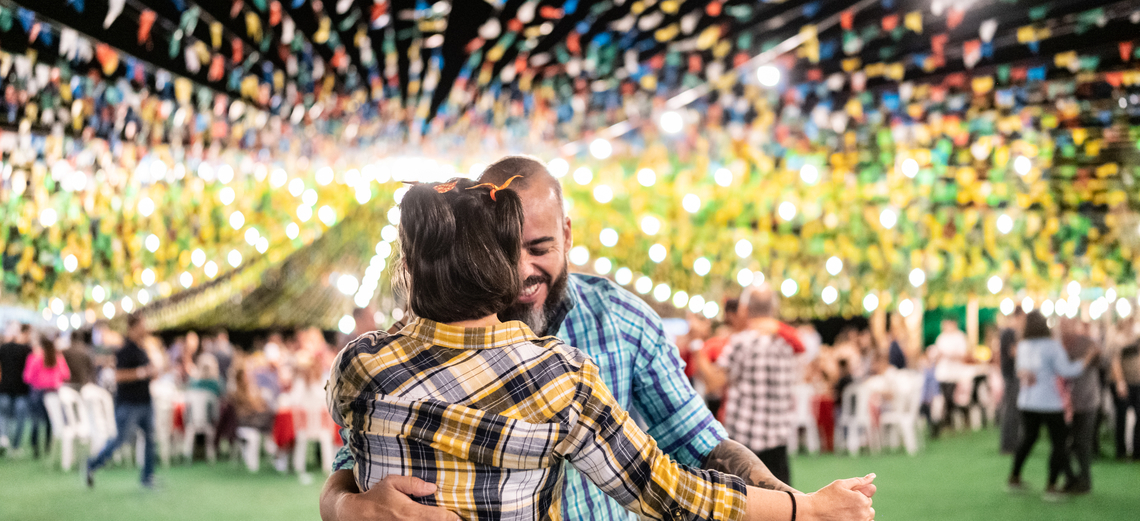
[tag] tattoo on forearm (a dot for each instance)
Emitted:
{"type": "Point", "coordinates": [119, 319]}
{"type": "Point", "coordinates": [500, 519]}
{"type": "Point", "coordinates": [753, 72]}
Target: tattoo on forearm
{"type": "Point", "coordinates": [733, 458]}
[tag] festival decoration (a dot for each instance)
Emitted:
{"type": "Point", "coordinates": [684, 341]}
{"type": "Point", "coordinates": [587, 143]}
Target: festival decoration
{"type": "Point", "coordinates": [951, 138]}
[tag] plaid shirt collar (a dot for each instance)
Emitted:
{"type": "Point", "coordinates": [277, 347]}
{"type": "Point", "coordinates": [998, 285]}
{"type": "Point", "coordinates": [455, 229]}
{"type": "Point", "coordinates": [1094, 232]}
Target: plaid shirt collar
{"type": "Point", "coordinates": [454, 337]}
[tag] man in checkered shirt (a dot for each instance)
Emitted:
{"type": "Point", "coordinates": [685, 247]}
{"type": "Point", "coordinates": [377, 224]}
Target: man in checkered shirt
{"type": "Point", "coordinates": [758, 369]}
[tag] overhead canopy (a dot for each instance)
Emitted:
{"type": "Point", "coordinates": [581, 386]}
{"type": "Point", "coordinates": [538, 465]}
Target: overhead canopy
{"type": "Point", "coordinates": [990, 145]}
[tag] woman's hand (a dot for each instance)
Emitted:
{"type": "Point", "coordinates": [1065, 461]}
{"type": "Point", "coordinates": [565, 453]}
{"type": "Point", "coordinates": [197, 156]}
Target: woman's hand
{"type": "Point", "coordinates": [842, 500]}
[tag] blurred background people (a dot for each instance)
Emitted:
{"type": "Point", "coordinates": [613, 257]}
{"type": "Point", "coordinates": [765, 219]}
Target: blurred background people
{"type": "Point", "coordinates": [14, 406]}
{"type": "Point", "coordinates": [134, 371]}
{"type": "Point", "coordinates": [1040, 361]}
{"type": "Point", "coordinates": [44, 373]}
{"type": "Point", "coordinates": [1007, 353]}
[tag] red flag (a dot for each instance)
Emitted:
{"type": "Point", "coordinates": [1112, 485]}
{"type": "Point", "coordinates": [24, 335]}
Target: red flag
{"type": "Point", "coordinates": [847, 20]}
{"type": "Point", "coordinates": [890, 22]}
{"type": "Point", "coordinates": [954, 17]}
{"type": "Point", "coordinates": [146, 23]}
{"type": "Point", "coordinates": [237, 45]}
{"type": "Point", "coordinates": [217, 68]}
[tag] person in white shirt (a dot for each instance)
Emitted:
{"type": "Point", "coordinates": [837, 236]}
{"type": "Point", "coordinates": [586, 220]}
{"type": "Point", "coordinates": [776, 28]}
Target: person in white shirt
{"type": "Point", "coordinates": [950, 350]}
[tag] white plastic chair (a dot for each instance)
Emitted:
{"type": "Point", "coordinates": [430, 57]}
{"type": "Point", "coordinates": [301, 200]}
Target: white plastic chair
{"type": "Point", "coordinates": [802, 418]}
{"type": "Point", "coordinates": [250, 440]}
{"type": "Point", "coordinates": [63, 408]}
{"type": "Point", "coordinates": [901, 419]}
{"type": "Point", "coordinates": [101, 411]}
{"type": "Point", "coordinates": [309, 421]}
{"type": "Point", "coordinates": [195, 420]}
{"type": "Point", "coordinates": [855, 421]}
{"type": "Point", "coordinates": [163, 395]}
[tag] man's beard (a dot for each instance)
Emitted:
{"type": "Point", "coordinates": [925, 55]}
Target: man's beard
{"type": "Point", "coordinates": [537, 318]}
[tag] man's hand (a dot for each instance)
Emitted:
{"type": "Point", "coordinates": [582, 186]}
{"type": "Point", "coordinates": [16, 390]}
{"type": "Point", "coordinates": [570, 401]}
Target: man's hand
{"type": "Point", "coordinates": [387, 500]}
{"type": "Point", "coordinates": [1121, 389]}
{"type": "Point", "coordinates": [844, 499]}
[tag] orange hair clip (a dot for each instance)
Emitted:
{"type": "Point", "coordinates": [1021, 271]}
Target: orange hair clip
{"type": "Point", "coordinates": [495, 188]}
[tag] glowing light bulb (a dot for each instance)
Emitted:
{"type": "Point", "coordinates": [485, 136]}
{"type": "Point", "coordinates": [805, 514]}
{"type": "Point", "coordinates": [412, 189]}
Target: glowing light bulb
{"type": "Point", "coordinates": [1027, 304]}
{"type": "Point", "coordinates": [834, 265]}
{"type": "Point", "coordinates": [917, 277]}
{"type": "Point", "coordinates": [787, 211]}
{"type": "Point", "coordinates": [910, 168]}
{"type": "Point", "coordinates": [646, 177]}
{"type": "Point", "coordinates": [148, 277]}
{"type": "Point", "coordinates": [680, 299]}
{"type": "Point", "coordinates": [888, 218]}
{"type": "Point", "coordinates": [623, 276]}
{"type": "Point", "coordinates": [768, 75]}
{"type": "Point", "coordinates": [994, 284]}
{"type": "Point", "coordinates": [789, 287]}
{"type": "Point", "coordinates": [579, 255]}
{"type": "Point", "coordinates": [608, 237]}
{"type": "Point", "coordinates": [661, 292]}
{"type": "Point", "coordinates": [1022, 165]}
{"type": "Point", "coordinates": [558, 167]}
{"type": "Point", "coordinates": [723, 176]}
{"type": "Point", "coordinates": [745, 277]}
{"type": "Point", "coordinates": [650, 225]}
{"type": "Point", "coordinates": [906, 307]}
{"type": "Point", "coordinates": [672, 122]}
{"type": "Point", "coordinates": [829, 295]}
{"type": "Point", "coordinates": [237, 220]}
{"type": "Point", "coordinates": [691, 203]}
{"type": "Point", "coordinates": [152, 243]}
{"type": "Point", "coordinates": [711, 310]}
{"type": "Point", "coordinates": [603, 266]}
{"type": "Point", "coordinates": [657, 253]}
{"type": "Point", "coordinates": [603, 194]}
{"type": "Point", "coordinates": [871, 303]}
{"type": "Point", "coordinates": [1004, 223]}
{"type": "Point", "coordinates": [809, 174]}
{"type": "Point", "coordinates": [146, 206]}
{"type": "Point", "coordinates": [583, 175]}
{"type": "Point", "coordinates": [198, 257]}
{"type": "Point", "coordinates": [1007, 306]}
{"type": "Point", "coordinates": [702, 266]}
{"type": "Point", "coordinates": [743, 248]}
{"type": "Point", "coordinates": [601, 148]}
{"type": "Point", "coordinates": [643, 285]}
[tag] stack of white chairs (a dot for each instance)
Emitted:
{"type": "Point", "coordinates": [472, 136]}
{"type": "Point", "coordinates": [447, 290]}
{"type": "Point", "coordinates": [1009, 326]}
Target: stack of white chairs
{"type": "Point", "coordinates": [900, 419]}
{"type": "Point", "coordinates": [802, 418]}
{"type": "Point", "coordinates": [101, 411]}
{"type": "Point", "coordinates": [197, 420]}
{"type": "Point", "coordinates": [854, 426]}
{"type": "Point", "coordinates": [309, 420]}
{"type": "Point", "coordinates": [69, 423]}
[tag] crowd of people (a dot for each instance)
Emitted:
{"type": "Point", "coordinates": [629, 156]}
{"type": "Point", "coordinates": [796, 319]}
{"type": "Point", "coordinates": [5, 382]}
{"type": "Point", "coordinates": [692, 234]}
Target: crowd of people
{"type": "Point", "coordinates": [246, 385]}
{"type": "Point", "coordinates": [1068, 375]}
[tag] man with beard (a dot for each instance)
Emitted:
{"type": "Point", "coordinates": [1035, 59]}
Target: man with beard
{"type": "Point", "coordinates": [612, 326]}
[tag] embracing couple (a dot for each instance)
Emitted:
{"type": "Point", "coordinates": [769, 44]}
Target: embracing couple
{"type": "Point", "coordinates": [480, 408]}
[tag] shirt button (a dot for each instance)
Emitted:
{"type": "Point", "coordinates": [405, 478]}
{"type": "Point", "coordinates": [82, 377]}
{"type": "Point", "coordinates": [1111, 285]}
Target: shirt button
{"type": "Point", "coordinates": [677, 514]}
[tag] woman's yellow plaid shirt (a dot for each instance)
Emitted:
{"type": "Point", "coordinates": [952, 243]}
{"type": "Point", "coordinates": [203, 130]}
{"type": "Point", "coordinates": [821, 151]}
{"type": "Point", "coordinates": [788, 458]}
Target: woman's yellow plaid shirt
{"type": "Point", "coordinates": [491, 415]}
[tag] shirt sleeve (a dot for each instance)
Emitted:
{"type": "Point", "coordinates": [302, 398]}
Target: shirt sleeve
{"type": "Point", "coordinates": [343, 459]}
{"type": "Point", "coordinates": [1063, 366]}
{"type": "Point", "coordinates": [606, 446]}
{"type": "Point", "coordinates": [676, 415]}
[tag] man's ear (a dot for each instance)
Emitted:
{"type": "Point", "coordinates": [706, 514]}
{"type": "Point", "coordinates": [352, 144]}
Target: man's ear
{"type": "Point", "coordinates": [567, 235]}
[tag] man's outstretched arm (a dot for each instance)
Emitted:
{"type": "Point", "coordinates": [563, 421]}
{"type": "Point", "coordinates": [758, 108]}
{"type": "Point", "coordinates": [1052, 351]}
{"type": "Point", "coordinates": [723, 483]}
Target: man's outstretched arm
{"type": "Point", "coordinates": [733, 458]}
{"type": "Point", "coordinates": [389, 499]}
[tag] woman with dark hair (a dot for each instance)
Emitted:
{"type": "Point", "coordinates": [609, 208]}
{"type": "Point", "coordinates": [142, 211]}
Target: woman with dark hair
{"type": "Point", "coordinates": [44, 373]}
{"type": "Point", "coordinates": [490, 414]}
{"type": "Point", "coordinates": [1040, 362]}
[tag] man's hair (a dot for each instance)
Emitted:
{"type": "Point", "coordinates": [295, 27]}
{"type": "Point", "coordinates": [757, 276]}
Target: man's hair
{"type": "Point", "coordinates": [460, 251]}
{"type": "Point", "coordinates": [25, 328]}
{"type": "Point", "coordinates": [133, 320]}
{"type": "Point", "coordinates": [532, 170]}
{"type": "Point", "coordinates": [1036, 326]}
{"type": "Point", "coordinates": [759, 302]}
{"type": "Point", "coordinates": [730, 306]}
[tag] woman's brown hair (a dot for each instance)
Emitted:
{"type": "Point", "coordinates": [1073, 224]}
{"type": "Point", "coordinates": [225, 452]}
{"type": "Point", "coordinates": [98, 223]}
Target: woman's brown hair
{"type": "Point", "coordinates": [460, 250]}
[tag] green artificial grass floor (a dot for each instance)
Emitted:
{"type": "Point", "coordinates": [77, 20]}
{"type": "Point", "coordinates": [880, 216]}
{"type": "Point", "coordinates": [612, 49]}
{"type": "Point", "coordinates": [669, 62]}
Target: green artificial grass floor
{"type": "Point", "coordinates": [960, 477]}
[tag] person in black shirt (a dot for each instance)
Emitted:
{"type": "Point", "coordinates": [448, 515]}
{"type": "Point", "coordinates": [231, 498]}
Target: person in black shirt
{"type": "Point", "coordinates": [133, 372]}
{"type": "Point", "coordinates": [1010, 417]}
{"type": "Point", "coordinates": [13, 391]}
